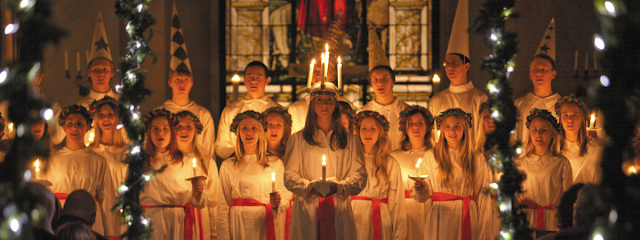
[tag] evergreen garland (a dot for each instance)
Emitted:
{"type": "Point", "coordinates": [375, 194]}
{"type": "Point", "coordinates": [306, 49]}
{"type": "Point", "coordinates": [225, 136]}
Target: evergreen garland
{"type": "Point", "coordinates": [138, 21]}
{"type": "Point", "coordinates": [491, 22]}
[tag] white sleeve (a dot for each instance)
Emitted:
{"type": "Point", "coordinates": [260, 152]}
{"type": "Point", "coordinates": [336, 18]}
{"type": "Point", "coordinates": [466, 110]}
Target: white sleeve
{"type": "Point", "coordinates": [224, 147]}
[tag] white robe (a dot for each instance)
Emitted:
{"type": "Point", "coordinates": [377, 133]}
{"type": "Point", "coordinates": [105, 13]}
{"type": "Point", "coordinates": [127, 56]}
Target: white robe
{"type": "Point", "coordinates": [206, 140]}
{"type": "Point", "coordinates": [525, 105]}
{"type": "Point", "coordinates": [415, 210]}
{"type": "Point", "coordinates": [300, 109]}
{"type": "Point", "coordinates": [170, 188]}
{"type": "Point", "coordinates": [303, 164]}
{"type": "Point", "coordinates": [548, 177]}
{"type": "Point", "coordinates": [392, 113]}
{"type": "Point", "coordinates": [466, 97]}
{"type": "Point", "coordinates": [250, 180]}
{"type": "Point", "coordinates": [84, 169]}
{"type": "Point", "coordinates": [114, 157]}
{"type": "Point", "coordinates": [444, 219]}
{"type": "Point", "coordinates": [393, 217]}
{"type": "Point", "coordinates": [226, 141]}
{"type": "Point", "coordinates": [585, 169]}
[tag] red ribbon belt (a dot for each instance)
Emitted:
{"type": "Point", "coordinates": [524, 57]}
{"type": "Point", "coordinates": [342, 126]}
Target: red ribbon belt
{"type": "Point", "coordinates": [287, 224]}
{"type": "Point", "coordinates": [494, 196]}
{"type": "Point", "coordinates": [407, 194]}
{"type": "Point", "coordinates": [64, 196]}
{"type": "Point", "coordinates": [375, 211]}
{"type": "Point", "coordinates": [466, 219]}
{"type": "Point", "coordinates": [189, 218]}
{"type": "Point", "coordinates": [539, 212]}
{"type": "Point", "coordinates": [271, 232]}
{"type": "Point", "coordinates": [326, 219]}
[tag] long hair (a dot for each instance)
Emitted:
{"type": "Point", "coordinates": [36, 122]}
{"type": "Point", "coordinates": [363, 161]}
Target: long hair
{"type": "Point", "coordinates": [174, 152]}
{"type": "Point", "coordinates": [261, 152]}
{"type": "Point", "coordinates": [338, 138]}
{"type": "Point", "coordinates": [285, 137]}
{"type": "Point", "coordinates": [381, 155]}
{"type": "Point", "coordinates": [467, 161]}
{"type": "Point", "coordinates": [553, 149]}
{"type": "Point", "coordinates": [582, 134]}
{"type": "Point", "coordinates": [118, 139]}
{"type": "Point", "coordinates": [405, 143]}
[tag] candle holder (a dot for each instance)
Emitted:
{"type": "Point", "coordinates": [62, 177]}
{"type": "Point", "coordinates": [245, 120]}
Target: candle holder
{"type": "Point", "coordinates": [418, 178]}
{"type": "Point", "coordinates": [68, 74]}
{"type": "Point", "coordinates": [79, 77]}
{"type": "Point", "coordinates": [45, 183]}
{"type": "Point", "coordinates": [196, 178]}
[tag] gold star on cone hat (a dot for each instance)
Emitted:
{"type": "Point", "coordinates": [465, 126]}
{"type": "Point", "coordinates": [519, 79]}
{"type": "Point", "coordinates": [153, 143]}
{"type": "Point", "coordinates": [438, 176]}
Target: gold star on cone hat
{"type": "Point", "coordinates": [377, 54]}
{"type": "Point", "coordinates": [100, 44]}
{"type": "Point", "coordinates": [548, 44]}
{"type": "Point", "coordinates": [179, 57]}
{"type": "Point", "coordinates": [459, 38]}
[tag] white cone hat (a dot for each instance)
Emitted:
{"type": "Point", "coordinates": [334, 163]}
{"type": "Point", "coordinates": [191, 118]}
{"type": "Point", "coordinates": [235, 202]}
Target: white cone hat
{"type": "Point", "coordinates": [179, 57]}
{"type": "Point", "coordinates": [548, 44]}
{"type": "Point", "coordinates": [377, 54]}
{"type": "Point", "coordinates": [100, 45]}
{"type": "Point", "coordinates": [459, 39]}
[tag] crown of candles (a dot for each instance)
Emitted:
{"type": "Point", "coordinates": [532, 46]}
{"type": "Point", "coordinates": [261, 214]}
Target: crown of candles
{"type": "Point", "coordinates": [324, 67]}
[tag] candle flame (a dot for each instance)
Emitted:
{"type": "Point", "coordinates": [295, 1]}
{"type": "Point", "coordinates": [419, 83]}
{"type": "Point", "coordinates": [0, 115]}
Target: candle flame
{"type": "Point", "coordinates": [195, 165]}
{"type": "Point", "coordinates": [436, 78]}
{"type": "Point", "coordinates": [339, 62]}
{"type": "Point", "coordinates": [37, 164]}
{"type": "Point", "coordinates": [326, 47]}
{"type": "Point", "coordinates": [418, 163]}
{"type": "Point", "coordinates": [273, 176]}
{"type": "Point", "coordinates": [235, 78]}
{"type": "Point", "coordinates": [593, 117]}
{"type": "Point", "coordinates": [633, 170]}
{"type": "Point", "coordinates": [10, 127]}
{"type": "Point", "coordinates": [324, 160]}
{"type": "Point", "coordinates": [313, 62]}
{"type": "Point", "coordinates": [92, 136]}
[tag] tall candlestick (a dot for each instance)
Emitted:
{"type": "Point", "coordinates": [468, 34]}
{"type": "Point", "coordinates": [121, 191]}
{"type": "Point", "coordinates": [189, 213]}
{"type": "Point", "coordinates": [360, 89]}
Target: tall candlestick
{"type": "Point", "coordinates": [586, 62]}
{"type": "Point", "coordinates": [88, 56]}
{"type": "Point", "coordinates": [575, 65]}
{"type": "Point", "coordinates": [436, 83]}
{"type": "Point", "coordinates": [592, 121]}
{"type": "Point", "coordinates": [323, 63]}
{"type": "Point", "coordinates": [273, 182]}
{"type": "Point", "coordinates": [324, 167]}
{"type": "Point", "coordinates": [235, 81]}
{"type": "Point", "coordinates": [310, 79]}
{"type": "Point", "coordinates": [339, 74]}
{"type": "Point", "coordinates": [78, 61]}
{"type": "Point", "coordinates": [66, 60]}
{"type": "Point", "coordinates": [595, 61]}
{"type": "Point", "coordinates": [195, 166]}
{"type": "Point", "coordinates": [37, 165]}
{"type": "Point", "coordinates": [418, 167]}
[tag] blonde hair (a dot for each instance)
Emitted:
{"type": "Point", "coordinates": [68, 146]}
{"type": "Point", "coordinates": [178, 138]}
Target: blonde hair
{"type": "Point", "coordinates": [261, 152]}
{"type": "Point", "coordinates": [481, 137]}
{"type": "Point", "coordinates": [582, 132]}
{"type": "Point", "coordinates": [445, 166]}
{"type": "Point", "coordinates": [553, 150]}
{"type": "Point", "coordinates": [381, 155]}
{"type": "Point", "coordinates": [118, 139]}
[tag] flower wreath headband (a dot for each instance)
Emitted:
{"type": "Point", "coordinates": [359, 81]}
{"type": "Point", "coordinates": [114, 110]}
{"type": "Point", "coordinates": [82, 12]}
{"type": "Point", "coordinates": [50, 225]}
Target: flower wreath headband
{"type": "Point", "coordinates": [161, 112]}
{"type": "Point", "coordinates": [541, 113]}
{"type": "Point", "coordinates": [93, 108]}
{"type": "Point", "coordinates": [346, 109]}
{"type": "Point", "coordinates": [404, 116]}
{"type": "Point", "coordinates": [456, 112]}
{"type": "Point", "coordinates": [196, 121]}
{"type": "Point", "coordinates": [1, 125]}
{"type": "Point", "coordinates": [75, 109]}
{"type": "Point", "coordinates": [247, 114]}
{"type": "Point", "coordinates": [570, 99]}
{"type": "Point", "coordinates": [375, 115]}
{"type": "Point", "coordinates": [485, 105]}
{"type": "Point", "coordinates": [278, 110]}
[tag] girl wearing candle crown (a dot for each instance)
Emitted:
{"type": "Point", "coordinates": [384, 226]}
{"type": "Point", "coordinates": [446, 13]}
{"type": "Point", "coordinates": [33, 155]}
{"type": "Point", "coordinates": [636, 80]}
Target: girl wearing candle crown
{"type": "Point", "coordinates": [248, 205]}
{"type": "Point", "coordinates": [321, 209]}
{"type": "Point", "coordinates": [582, 151]}
{"type": "Point", "coordinates": [457, 206]}
{"type": "Point", "coordinates": [379, 210]}
{"type": "Point", "coordinates": [109, 141]}
{"type": "Point", "coordinates": [189, 125]}
{"type": "Point", "coordinates": [548, 173]}
{"type": "Point", "coordinates": [415, 127]}
{"type": "Point", "coordinates": [169, 199]}
{"type": "Point", "coordinates": [77, 167]}
{"type": "Point", "coordinates": [278, 130]}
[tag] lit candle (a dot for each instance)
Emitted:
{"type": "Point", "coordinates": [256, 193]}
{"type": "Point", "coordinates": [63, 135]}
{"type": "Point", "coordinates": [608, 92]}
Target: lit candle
{"type": "Point", "coordinates": [326, 61]}
{"type": "Point", "coordinates": [195, 166]}
{"type": "Point", "coordinates": [66, 60]}
{"type": "Point", "coordinates": [37, 165]}
{"type": "Point", "coordinates": [339, 74]}
{"type": "Point", "coordinates": [418, 167]}
{"type": "Point", "coordinates": [324, 167]}
{"type": "Point", "coordinates": [632, 170]}
{"type": "Point", "coordinates": [323, 63]}
{"type": "Point", "coordinates": [78, 61]}
{"type": "Point", "coordinates": [586, 62]}
{"type": "Point", "coordinates": [10, 127]}
{"type": "Point", "coordinates": [235, 81]}
{"type": "Point", "coordinates": [592, 121]}
{"type": "Point", "coordinates": [273, 182]}
{"type": "Point", "coordinates": [436, 83]}
{"type": "Point", "coordinates": [310, 80]}
{"type": "Point", "coordinates": [575, 65]}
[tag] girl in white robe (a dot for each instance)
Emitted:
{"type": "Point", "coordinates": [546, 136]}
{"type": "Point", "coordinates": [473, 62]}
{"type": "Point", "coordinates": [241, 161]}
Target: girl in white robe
{"type": "Point", "coordinates": [548, 173]}
{"type": "Point", "coordinates": [416, 123]}
{"type": "Point", "coordinates": [379, 210]}
{"type": "Point", "coordinates": [583, 152]}
{"type": "Point", "coordinates": [457, 206]}
{"type": "Point", "coordinates": [169, 198]}
{"type": "Point", "coordinates": [77, 167]}
{"type": "Point", "coordinates": [488, 146]}
{"type": "Point", "coordinates": [252, 200]}
{"type": "Point", "coordinates": [186, 131]}
{"type": "Point", "coordinates": [109, 141]}
{"type": "Point", "coordinates": [323, 135]}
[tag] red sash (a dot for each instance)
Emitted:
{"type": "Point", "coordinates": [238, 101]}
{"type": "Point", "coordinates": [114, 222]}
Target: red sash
{"type": "Point", "coordinates": [326, 219]}
{"type": "Point", "coordinates": [407, 193]}
{"type": "Point", "coordinates": [271, 231]}
{"type": "Point", "coordinates": [189, 218]}
{"type": "Point", "coordinates": [539, 212]}
{"type": "Point", "coordinates": [375, 211]}
{"type": "Point", "coordinates": [466, 219]}
{"type": "Point", "coordinates": [494, 196]}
